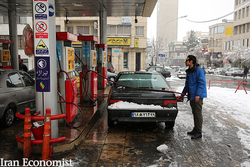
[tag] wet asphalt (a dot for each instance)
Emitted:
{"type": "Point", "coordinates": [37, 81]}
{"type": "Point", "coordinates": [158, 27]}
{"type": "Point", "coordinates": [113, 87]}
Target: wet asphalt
{"type": "Point", "coordinates": [136, 144]}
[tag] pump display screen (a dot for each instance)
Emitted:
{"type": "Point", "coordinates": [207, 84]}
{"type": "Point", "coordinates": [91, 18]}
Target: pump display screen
{"type": "Point", "coordinates": [70, 59]}
{"type": "Point", "coordinates": [5, 56]}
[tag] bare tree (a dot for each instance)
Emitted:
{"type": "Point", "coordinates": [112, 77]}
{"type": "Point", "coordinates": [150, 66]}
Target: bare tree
{"type": "Point", "coordinates": [157, 47]}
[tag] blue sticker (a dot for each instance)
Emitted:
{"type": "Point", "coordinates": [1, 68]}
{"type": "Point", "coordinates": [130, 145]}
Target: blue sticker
{"type": "Point", "coordinates": [85, 51]}
{"type": "Point", "coordinates": [51, 11]}
{"type": "Point", "coordinates": [58, 51]}
{"type": "Point", "coordinates": [40, 16]}
{"type": "Point", "coordinates": [42, 52]}
{"type": "Point", "coordinates": [42, 74]}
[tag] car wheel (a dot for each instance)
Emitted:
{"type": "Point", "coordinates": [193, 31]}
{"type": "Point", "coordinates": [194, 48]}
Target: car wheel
{"type": "Point", "coordinates": [8, 117]}
{"type": "Point", "coordinates": [169, 125]}
{"type": "Point", "coordinates": [110, 123]}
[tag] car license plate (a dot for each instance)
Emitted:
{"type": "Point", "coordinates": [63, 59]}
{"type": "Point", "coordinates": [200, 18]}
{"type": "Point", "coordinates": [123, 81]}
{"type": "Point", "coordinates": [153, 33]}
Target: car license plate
{"type": "Point", "coordinates": [143, 114]}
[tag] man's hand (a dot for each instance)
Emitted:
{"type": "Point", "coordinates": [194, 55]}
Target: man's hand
{"type": "Point", "coordinates": [179, 98]}
{"type": "Point", "coordinates": [197, 98]}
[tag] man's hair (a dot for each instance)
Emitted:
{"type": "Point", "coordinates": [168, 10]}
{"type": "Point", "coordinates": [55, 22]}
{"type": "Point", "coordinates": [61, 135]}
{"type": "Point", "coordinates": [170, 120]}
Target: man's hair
{"type": "Point", "coordinates": [21, 61]}
{"type": "Point", "coordinates": [192, 57]}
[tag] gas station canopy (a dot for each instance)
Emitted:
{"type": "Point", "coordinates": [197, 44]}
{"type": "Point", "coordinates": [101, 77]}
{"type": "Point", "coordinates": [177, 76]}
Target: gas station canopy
{"type": "Point", "coordinates": [81, 8]}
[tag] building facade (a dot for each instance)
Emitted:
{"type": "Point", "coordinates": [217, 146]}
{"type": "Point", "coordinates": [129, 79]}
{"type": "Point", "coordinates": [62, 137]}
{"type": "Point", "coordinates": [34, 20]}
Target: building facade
{"type": "Point", "coordinates": [126, 39]}
{"type": "Point", "coordinates": [167, 20]}
{"type": "Point", "coordinates": [216, 39]}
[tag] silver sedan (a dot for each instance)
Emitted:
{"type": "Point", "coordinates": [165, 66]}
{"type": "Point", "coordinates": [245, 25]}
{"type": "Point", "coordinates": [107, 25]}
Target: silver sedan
{"type": "Point", "coordinates": [17, 92]}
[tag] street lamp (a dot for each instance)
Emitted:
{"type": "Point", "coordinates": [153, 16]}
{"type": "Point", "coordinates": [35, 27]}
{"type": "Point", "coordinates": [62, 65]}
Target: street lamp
{"type": "Point", "coordinates": [166, 27]}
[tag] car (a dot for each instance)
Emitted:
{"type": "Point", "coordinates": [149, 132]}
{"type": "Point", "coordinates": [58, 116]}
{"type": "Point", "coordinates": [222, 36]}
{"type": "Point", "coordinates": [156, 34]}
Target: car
{"type": "Point", "coordinates": [220, 71]}
{"type": "Point", "coordinates": [234, 72]}
{"type": "Point", "coordinates": [17, 92]}
{"type": "Point", "coordinates": [209, 70]}
{"type": "Point", "coordinates": [110, 67]}
{"type": "Point", "coordinates": [111, 76]}
{"type": "Point", "coordinates": [160, 70]}
{"type": "Point", "coordinates": [181, 73]}
{"type": "Point", "coordinates": [141, 97]}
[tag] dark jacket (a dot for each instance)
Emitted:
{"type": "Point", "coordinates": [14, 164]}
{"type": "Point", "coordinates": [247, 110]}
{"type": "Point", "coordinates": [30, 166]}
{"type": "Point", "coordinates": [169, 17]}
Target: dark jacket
{"type": "Point", "coordinates": [195, 84]}
{"type": "Point", "coordinates": [246, 70]}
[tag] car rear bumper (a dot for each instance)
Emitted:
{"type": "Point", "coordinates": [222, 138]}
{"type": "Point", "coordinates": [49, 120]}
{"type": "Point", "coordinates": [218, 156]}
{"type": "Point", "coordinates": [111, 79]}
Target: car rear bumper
{"type": "Point", "coordinates": [122, 115]}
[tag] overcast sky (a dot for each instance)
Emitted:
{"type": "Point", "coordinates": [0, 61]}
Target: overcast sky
{"type": "Point", "coordinates": [197, 10]}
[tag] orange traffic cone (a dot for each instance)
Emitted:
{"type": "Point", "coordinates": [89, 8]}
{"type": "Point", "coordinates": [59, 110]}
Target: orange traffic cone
{"type": "Point", "coordinates": [46, 135]}
{"type": "Point", "coordinates": [27, 134]}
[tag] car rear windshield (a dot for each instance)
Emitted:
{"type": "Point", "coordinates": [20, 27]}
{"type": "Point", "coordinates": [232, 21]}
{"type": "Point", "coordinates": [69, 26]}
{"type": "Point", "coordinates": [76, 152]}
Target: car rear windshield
{"type": "Point", "coordinates": [142, 81]}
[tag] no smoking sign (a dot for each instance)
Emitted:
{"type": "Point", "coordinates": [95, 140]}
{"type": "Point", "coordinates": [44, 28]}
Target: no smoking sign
{"type": "Point", "coordinates": [41, 26]}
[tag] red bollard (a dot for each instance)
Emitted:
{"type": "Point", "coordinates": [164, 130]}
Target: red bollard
{"type": "Point", "coordinates": [27, 134]}
{"type": "Point", "coordinates": [46, 135]}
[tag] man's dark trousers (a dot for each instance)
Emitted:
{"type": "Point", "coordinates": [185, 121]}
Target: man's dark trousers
{"type": "Point", "coordinates": [197, 114]}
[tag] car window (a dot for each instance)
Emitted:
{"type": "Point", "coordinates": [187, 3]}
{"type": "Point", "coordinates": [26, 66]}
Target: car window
{"type": "Point", "coordinates": [158, 69]}
{"type": "Point", "coordinates": [27, 79]}
{"type": "Point", "coordinates": [14, 80]}
{"type": "Point", "coordinates": [182, 69]}
{"type": "Point", "coordinates": [142, 81]}
{"type": "Point", "coordinates": [151, 69]}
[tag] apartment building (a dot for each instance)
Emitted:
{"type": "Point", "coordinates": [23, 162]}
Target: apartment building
{"type": "Point", "coordinates": [126, 38]}
{"type": "Point", "coordinates": [217, 32]}
{"type": "Point", "coordinates": [239, 33]}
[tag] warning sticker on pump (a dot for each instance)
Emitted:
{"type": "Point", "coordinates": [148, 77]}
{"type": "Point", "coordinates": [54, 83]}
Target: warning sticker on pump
{"type": "Point", "coordinates": [41, 48]}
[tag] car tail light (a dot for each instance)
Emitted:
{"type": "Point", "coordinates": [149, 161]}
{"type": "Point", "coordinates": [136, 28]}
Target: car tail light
{"type": "Point", "coordinates": [235, 72]}
{"type": "Point", "coordinates": [111, 101]}
{"type": "Point", "coordinates": [111, 68]}
{"type": "Point", "coordinates": [166, 102]}
{"type": "Point", "coordinates": [179, 72]}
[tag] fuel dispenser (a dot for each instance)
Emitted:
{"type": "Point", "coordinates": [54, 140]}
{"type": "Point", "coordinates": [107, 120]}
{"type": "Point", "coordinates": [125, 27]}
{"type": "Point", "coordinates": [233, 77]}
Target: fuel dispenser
{"type": "Point", "coordinates": [102, 65]}
{"type": "Point", "coordinates": [66, 62]}
{"type": "Point", "coordinates": [5, 61]}
{"type": "Point", "coordinates": [88, 78]}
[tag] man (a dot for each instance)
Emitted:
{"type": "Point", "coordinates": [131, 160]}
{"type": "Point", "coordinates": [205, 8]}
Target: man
{"type": "Point", "coordinates": [195, 86]}
{"type": "Point", "coordinates": [245, 74]}
{"type": "Point", "coordinates": [22, 66]}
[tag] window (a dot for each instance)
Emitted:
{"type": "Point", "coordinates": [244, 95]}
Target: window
{"type": "Point", "coordinates": [247, 12]}
{"type": "Point", "coordinates": [139, 31]}
{"type": "Point", "coordinates": [225, 45]}
{"type": "Point", "coordinates": [58, 28]}
{"type": "Point", "coordinates": [240, 27]}
{"type": "Point", "coordinates": [216, 30]}
{"type": "Point", "coordinates": [243, 28]}
{"type": "Point", "coordinates": [21, 20]}
{"type": "Point", "coordinates": [94, 31]}
{"type": "Point", "coordinates": [235, 16]}
{"type": "Point", "coordinates": [70, 29]}
{"type": "Point", "coordinates": [119, 29]}
{"type": "Point", "coordinates": [83, 30]}
{"type": "Point", "coordinates": [27, 79]}
{"type": "Point", "coordinates": [243, 13]}
{"type": "Point", "coordinates": [236, 2]}
{"type": "Point", "coordinates": [221, 29]}
{"type": "Point", "coordinates": [125, 60]}
{"type": "Point", "coordinates": [239, 14]}
{"type": "Point", "coordinates": [235, 30]}
{"type": "Point", "coordinates": [247, 42]}
{"type": "Point", "coordinates": [20, 42]}
{"type": "Point", "coordinates": [14, 80]}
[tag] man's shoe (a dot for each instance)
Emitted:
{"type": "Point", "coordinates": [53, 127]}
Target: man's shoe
{"type": "Point", "coordinates": [196, 136]}
{"type": "Point", "coordinates": [191, 132]}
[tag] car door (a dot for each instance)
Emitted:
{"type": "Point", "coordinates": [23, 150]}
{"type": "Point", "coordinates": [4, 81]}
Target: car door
{"type": "Point", "coordinates": [29, 85]}
{"type": "Point", "coordinates": [18, 92]}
